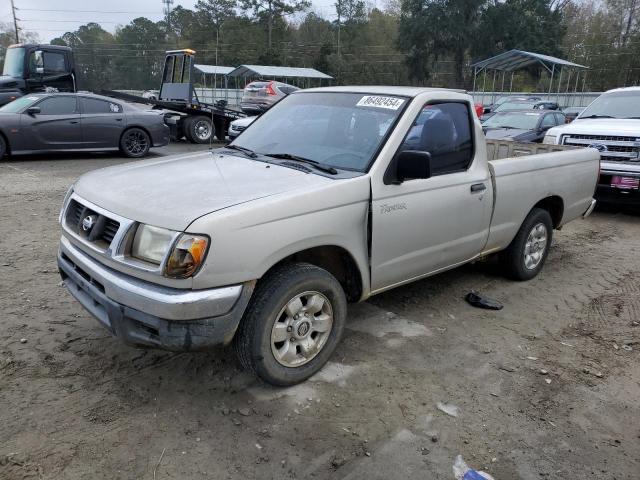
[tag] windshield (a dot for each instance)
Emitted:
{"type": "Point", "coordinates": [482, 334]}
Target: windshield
{"type": "Point", "coordinates": [615, 105]}
{"type": "Point", "coordinates": [18, 104]}
{"type": "Point", "coordinates": [14, 62]}
{"type": "Point", "coordinates": [514, 106]}
{"type": "Point", "coordinates": [343, 130]}
{"type": "Point", "coordinates": [521, 120]}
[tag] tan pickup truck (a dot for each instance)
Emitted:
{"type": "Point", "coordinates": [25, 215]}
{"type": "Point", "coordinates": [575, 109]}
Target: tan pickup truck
{"type": "Point", "coordinates": [332, 196]}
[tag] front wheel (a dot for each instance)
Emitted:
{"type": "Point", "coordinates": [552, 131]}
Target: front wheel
{"type": "Point", "coordinates": [135, 143]}
{"type": "Point", "coordinates": [293, 324]}
{"type": "Point", "coordinates": [3, 147]}
{"type": "Point", "coordinates": [526, 254]}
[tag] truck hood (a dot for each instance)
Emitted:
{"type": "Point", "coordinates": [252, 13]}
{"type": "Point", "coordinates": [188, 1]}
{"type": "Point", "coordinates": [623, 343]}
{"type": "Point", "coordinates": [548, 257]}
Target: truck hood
{"type": "Point", "coordinates": [174, 191]}
{"type": "Point", "coordinates": [600, 126]}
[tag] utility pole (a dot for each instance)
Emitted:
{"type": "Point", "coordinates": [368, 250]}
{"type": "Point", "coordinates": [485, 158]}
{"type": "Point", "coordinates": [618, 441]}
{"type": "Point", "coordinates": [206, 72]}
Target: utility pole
{"type": "Point", "coordinates": [15, 21]}
{"type": "Point", "coordinates": [166, 10]}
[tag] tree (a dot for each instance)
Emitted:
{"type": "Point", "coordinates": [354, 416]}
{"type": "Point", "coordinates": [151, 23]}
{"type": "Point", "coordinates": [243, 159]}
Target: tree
{"type": "Point", "coordinates": [140, 64]}
{"type": "Point", "coordinates": [94, 49]}
{"type": "Point", "coordinates": [531, 25]}
{"type": "Point", "coordinates": [430, 29]}
{"type": "Point", "coordinates": [270, 9]}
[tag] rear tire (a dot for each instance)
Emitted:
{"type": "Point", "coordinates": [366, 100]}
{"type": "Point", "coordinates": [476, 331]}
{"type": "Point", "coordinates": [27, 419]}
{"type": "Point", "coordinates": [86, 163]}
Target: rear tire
{"type": "Point", "coordinates": [199, 129]}
{"type": "Point", "coordinates": [526, 254]}
{"type": "Point", "coordinates": [135, 143]}
{"type": "Point", "coordinates": [292, 325]}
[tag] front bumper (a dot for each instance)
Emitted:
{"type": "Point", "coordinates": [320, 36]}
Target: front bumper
{"type": "Point", "coordinates": [148, 315]}
{"type": "Point", "coordinates": [605, 193]}
{"type": "Point", "coordinates": [161, 136]}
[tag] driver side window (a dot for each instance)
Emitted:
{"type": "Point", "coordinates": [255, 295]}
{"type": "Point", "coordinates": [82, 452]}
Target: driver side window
{"type": "Point", "coordinates": [444, 131]}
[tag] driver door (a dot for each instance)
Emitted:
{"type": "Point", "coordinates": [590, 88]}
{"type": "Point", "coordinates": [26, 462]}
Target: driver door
{"type": "Point", "coordinates": [421, 226]}
{"type": "Point", "coordinates": [56, 127]}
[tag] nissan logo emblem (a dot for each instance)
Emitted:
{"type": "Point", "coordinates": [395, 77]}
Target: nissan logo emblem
{"type": "Point", "coordinates": [88, 222]}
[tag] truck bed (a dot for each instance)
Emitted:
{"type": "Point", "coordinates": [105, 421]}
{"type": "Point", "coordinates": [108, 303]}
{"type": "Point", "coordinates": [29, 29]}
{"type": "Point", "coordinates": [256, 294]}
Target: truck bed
{"type": "Point", "coordinates": [499, 149]}
{"type": "Point", "coordinates": [522, 173]}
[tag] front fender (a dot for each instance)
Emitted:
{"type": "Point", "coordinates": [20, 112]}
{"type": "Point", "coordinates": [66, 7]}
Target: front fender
{"type": "Point", "coordinates": [248, 239]}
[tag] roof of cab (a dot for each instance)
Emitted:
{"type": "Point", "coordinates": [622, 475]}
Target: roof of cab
{"type": "Point", "coordinates": [382, 90]}
{"type": "Point", "coordinates": [40, 45]}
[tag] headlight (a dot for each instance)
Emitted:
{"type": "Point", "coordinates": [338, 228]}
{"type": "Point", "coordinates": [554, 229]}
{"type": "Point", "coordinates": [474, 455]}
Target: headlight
{"type": "Point", "coordinates": [65, 202]}
{"type": "Point", "coordinates": [151, 244]}
{"type": "Point", "coordinates": [187, 255]}
{"type": "Point", "coordinates": [549, 140]}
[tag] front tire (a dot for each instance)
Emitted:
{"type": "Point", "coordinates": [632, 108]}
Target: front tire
{"type": "Point", "coordinates": [135, 143]}
{"type": "Point", "coordinates": [292, 325]}
{"type": "Point", "coordinates": [526, 254]}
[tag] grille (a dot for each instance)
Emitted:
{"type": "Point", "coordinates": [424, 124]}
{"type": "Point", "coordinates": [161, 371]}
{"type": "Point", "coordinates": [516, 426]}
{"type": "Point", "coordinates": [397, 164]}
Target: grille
{"type": "Point", "coordinates": [619, 148]}
{"type": "Point", "coordinates": [602, 138]}
{"type": "Point", "coordinates": [104, 228]}
{"type": "Point", "coordinates": [109, 231]}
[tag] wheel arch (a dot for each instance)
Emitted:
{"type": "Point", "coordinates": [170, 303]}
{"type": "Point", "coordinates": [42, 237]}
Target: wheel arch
{"type": "Point", "coordinates": [6, 142]}
{"type": "Point", "coordinates": [335, 259]}
{"type": "Point", "coordinates": [140, 127]}
{"type": "Point", "coordinates": [555, 206]}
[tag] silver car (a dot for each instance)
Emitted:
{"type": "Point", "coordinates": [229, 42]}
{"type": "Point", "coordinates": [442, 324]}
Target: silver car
{"type": "Point", "coordinates": [79, 121]}
{"type": "Point", "coordinates": [261, 95]}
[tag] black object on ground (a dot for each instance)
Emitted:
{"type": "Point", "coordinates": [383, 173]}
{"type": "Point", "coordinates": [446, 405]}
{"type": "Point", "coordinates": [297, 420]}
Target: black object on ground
{"type": "Point", "coordinates": [480, 301]}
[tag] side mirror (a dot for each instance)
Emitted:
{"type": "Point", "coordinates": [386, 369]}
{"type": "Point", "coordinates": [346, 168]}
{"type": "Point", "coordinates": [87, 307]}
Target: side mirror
{"type": "Point", "coordinates": [412, 164]}
{"type": "Point", "coordinates": [486, 110]}
{"type": "Point", "coordinates": [33, 110]}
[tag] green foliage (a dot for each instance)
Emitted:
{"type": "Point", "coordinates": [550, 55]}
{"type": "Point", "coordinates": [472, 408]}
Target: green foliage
{"type": "Point", "coordinates": [420, 42]}
{"type": "Point", "coordinates": [522, 24]}
{"type": "Point", "coordinates": [430, 30]}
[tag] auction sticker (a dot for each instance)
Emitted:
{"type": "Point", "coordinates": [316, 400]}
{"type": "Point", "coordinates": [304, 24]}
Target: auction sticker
{"type": "Point", "coordinates": [390, 103]}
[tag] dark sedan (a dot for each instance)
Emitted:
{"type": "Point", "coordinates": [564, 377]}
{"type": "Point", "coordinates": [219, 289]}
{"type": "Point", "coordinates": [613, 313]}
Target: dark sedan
{"type": "Point", "coordinates": [521, 125]}
{"type": "Point", "coordinates": [79, 121]}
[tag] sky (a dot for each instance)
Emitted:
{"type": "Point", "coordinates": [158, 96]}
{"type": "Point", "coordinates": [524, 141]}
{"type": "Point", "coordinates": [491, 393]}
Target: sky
{"type": "Point", "coordinates": [36, 15]}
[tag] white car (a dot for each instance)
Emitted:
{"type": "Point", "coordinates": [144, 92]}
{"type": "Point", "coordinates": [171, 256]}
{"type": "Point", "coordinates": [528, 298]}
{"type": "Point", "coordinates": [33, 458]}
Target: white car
{"type": "Point", "coordinates": [237, 126]}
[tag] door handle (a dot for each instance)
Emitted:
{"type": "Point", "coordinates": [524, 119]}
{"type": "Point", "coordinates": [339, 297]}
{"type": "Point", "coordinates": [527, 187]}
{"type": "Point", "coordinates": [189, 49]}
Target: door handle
{"type": "Point", "coordinates": [478, 187]}
{"type": "Point", "coordinates": [118, 119]}
{"type": "Point", "coordinates": [74, 121]}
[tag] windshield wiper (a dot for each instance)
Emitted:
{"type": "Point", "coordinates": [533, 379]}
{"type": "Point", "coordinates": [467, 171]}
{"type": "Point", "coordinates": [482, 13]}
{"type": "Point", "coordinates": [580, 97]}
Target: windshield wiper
{"type": "Point", "coordinates": [631, 118]}
{"type": "Point", "coordinates": [319, 166]}
{"type": "Point", "coordinates": [245, 150]}
{"type": "Point", "coordinates": [596, 116]}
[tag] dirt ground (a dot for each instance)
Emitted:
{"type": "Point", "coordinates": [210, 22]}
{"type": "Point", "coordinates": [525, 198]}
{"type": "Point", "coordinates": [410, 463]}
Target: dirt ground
{"type": "Point", "coordinates": [549, 387]}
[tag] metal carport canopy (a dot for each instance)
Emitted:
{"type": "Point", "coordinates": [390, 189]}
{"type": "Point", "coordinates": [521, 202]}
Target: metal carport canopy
{"type": "Point", "coordinates": [213, 69]}
{"type": "Point", "coordinates": [516, 59]}
{"type": "Point", "coordinates": [272, 71]}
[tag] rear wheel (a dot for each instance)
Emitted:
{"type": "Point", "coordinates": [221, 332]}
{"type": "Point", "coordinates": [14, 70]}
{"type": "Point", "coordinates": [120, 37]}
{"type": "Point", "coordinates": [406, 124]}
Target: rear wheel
{"type": "Point", "coordinates": [524, 258]}
{"type": "Point", "coordinates": [293, 324]}
{"type": "Point", "coordinates": [135, 143]}
{"type": "Point", "coordinates": [199, 129]}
